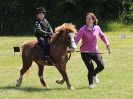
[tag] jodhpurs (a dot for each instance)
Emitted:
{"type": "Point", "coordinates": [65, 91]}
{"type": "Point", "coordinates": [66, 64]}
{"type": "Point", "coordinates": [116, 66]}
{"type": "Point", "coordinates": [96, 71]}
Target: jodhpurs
{"type": "Point", "coordinates": [44, 43]}
{"type": "Point", "coordinates": [97, 58]}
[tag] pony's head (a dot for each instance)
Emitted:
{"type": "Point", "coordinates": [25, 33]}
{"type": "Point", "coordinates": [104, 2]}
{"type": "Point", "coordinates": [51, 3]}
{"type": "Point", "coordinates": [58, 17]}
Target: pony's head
{"type": "Point", "coordinates": [70, 30]}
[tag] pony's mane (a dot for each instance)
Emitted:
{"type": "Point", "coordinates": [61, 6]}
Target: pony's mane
{"type": "Point", "coordinates": [69, 27]}
{"type": "Point", "coordinates": [64, 28]}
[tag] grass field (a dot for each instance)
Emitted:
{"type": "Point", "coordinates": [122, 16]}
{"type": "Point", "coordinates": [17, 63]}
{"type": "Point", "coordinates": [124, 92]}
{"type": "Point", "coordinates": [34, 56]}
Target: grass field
{"type": "Point", "coordinates": [116, 81]}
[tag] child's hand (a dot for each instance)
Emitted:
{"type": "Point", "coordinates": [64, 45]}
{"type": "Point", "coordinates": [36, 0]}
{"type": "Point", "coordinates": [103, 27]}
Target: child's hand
{"type": "Point", "coordinates": [50, 33]}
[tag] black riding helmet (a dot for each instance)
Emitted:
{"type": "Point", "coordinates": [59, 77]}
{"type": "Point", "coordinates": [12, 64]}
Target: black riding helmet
{"type": "Point", "coordinates": [40, 10]}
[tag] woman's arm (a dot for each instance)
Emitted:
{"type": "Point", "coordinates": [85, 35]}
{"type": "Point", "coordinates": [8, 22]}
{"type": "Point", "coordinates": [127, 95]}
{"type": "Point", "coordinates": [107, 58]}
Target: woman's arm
{"type": "Point", "coordinates": [79, 36]}
{"type": "Point", "coordinates": [104, 39]}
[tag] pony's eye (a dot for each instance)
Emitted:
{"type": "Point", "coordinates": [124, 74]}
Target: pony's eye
{"type": "Point", "coordinates": [68, 38]}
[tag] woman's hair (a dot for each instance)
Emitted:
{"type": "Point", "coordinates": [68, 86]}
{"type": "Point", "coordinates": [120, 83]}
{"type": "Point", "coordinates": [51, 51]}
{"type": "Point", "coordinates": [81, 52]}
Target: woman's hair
{"type": "Point", "coordinates": [93, 17]}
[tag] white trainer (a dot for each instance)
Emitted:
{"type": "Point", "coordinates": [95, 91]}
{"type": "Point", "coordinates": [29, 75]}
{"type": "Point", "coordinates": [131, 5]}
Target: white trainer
{"type": "Point", "coordinates": [95, 79]}
{"type": "Point", "coordinates": [91, 86]}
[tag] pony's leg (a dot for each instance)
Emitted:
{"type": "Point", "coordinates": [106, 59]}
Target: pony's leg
{"type": "Point", "coordinates": [61, 81]}
{"type": "Point", "coordinates": [26, 66]}
{"type": "Point", "coordinates": [40, 74]}
{"type": "Point", "coordinates": [62, 70]}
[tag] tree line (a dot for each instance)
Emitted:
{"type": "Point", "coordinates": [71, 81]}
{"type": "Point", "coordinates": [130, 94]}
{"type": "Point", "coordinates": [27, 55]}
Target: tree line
{"type": "Point", "coordinates": [17, 16]}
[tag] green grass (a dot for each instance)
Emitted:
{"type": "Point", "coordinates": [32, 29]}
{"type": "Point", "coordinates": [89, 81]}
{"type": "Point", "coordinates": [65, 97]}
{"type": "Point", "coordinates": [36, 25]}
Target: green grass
{"type": "Point", "coordinates": [115, 81]}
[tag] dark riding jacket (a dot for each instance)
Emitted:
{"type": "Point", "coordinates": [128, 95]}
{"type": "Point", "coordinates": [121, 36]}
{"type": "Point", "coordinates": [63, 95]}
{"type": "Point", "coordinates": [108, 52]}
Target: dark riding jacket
{"type": "Point", "coordinates": [42, 28]}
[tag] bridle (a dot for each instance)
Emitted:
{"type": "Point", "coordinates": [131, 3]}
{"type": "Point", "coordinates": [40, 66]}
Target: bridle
{"type": "Point", "coordinates": [69, 41]}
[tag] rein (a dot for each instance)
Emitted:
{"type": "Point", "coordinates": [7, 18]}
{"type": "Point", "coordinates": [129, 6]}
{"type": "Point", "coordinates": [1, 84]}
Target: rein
{"type": "Point", "coordinates": [91, 53]}
{"type": "Point", "coordinates": [69, 55]}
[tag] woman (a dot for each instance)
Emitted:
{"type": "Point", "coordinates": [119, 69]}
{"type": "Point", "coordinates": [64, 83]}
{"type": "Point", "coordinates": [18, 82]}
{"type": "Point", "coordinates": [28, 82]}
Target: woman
{"type": "Point", "coordinates": [89, 34]}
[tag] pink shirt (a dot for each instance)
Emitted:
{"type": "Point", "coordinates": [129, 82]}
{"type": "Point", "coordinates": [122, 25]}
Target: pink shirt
{"type": "Point", "coordinates": [90, 38]}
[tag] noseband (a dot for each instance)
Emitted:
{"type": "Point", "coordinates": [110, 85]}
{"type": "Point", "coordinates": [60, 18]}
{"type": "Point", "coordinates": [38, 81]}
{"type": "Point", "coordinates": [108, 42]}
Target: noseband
{"type": "Point", "coordinates": [69, 40]}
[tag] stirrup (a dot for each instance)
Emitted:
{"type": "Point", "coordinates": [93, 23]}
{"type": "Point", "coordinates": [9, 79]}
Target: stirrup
{"type": "Point", "coordinates": [47, 56]}
{"type": "Point", "coordinates": [48, 59]}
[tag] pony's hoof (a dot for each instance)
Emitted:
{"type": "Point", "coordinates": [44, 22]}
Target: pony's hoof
{"type": "Point", "coordinates": [46, 87]}
{"type": "Point", "coordinates": [59, 82]}
{"type": "Point", "coordinates": [18, 84]}
{"type": "Point", "coordinates": [71, 88]}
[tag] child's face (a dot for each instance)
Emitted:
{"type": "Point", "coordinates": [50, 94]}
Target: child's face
{"type": "Point", "coordinates": [40, 16]}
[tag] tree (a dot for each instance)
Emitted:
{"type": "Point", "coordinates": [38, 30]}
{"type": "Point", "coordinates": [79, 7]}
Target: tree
{"type": "Point", "coordinates": [17, 16]}
{"type": "Point", "coordinates": [127, 11]}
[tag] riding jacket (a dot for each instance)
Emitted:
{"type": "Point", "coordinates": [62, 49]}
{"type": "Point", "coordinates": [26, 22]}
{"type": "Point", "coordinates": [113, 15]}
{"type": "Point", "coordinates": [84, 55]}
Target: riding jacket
{"type": "Point", "coordinates": [42, 28]}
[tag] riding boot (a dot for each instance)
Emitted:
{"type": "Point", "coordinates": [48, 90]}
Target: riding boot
{"type": "Point", "coordinates": [43, 56]}
{"type": "Point", "coordinates": [47, 51]}
{"type": "Point", "coordinates": [41, 44]}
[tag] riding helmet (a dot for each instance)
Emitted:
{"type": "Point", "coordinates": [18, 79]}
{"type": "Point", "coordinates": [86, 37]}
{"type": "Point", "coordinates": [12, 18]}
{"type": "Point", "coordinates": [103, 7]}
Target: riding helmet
{"type": "Point", "coordinates": [40, 10]}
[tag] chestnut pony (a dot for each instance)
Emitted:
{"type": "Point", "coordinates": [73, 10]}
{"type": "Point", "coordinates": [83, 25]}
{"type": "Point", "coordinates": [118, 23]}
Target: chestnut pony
{"type": "Point", "coordinates": [61, 41]}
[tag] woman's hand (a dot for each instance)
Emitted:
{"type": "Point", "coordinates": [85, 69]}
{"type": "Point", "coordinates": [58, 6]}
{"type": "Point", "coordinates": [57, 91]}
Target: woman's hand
{"type": "Point", "coordinates": [108, 48]}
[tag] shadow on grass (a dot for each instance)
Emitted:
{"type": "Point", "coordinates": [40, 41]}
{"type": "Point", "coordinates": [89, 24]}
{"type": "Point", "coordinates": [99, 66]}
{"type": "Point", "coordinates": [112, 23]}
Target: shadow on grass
{"type": "Point", "coordinates": [82, 88]}
{"type": "Point", "coordinates": [31, 89]}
